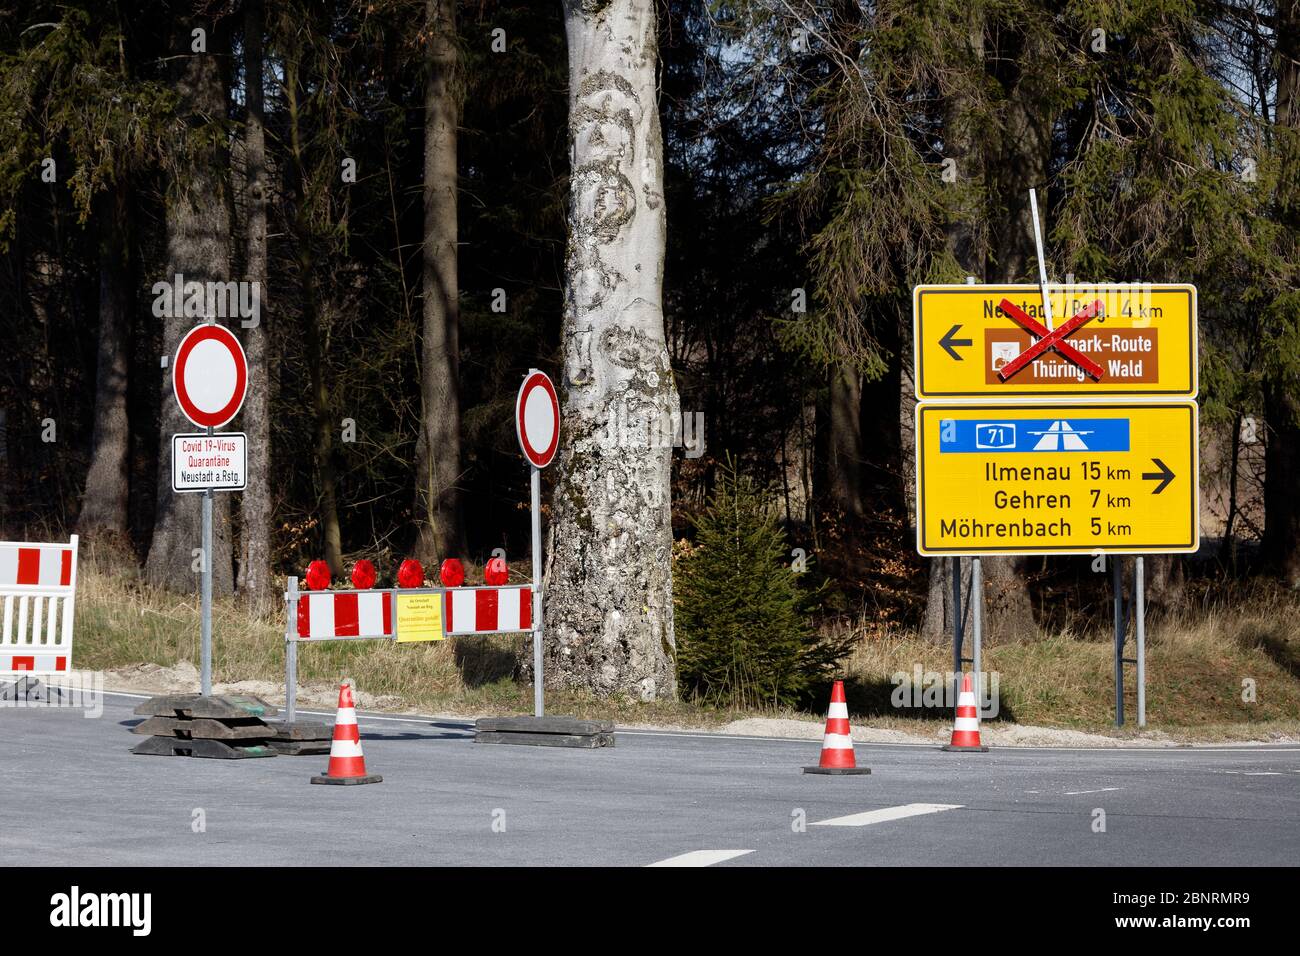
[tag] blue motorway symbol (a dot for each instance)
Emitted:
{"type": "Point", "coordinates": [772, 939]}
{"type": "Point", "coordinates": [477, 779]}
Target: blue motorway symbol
{"type": "Point", "coordinates": [1050, 434]}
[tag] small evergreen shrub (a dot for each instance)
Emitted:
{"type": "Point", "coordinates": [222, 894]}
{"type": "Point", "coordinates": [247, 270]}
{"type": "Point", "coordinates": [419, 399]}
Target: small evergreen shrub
{"type": "Point", "coordinates": [744, 634]}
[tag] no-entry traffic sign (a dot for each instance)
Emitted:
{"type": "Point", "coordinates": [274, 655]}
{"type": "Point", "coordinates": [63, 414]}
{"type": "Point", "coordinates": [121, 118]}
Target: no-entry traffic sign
{"type": "Point", "coordinates": [537, 419]}
{"type": "Point", "coordinates": [210, 375]}
{"type": "Point", "coordinates": [1141, 341]}
{"type": "Point", "coordinates": [1057, 479]}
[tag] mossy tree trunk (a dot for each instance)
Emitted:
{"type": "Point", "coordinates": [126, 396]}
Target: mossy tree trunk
{"type": "Point", "coordinates": [609, 610]}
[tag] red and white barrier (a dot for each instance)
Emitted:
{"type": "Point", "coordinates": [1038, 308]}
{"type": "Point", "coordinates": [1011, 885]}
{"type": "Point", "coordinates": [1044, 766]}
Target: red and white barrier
{"type": "Point", "coordinates": [333, 615]}
{"type": "Point", "coordinates": [488, 610]}
{"type": "Point", "coordinates": [38, 585]}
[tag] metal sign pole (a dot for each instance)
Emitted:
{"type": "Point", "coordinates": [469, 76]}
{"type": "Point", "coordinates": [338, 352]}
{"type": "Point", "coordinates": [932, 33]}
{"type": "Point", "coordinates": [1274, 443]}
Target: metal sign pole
{"type": "Point", "coordinates": [1042, 264]}
{"type": "Point", "coordinates": [539, 706]}
{"type": "Point", "coordinates": [291, 652]}
{"type": "Point", "coordinates": [956, 627]}
{"type": "Point", "coordinates": [977, 623]}
{"type": "Point", "coordinates": [205, 635]}
{"type": "Point", "coordinates": [1118, 583]}
{"type": "Point", "coordinates": [1140, 598]}
{"type": "Point", "coordinates": [205, 649]}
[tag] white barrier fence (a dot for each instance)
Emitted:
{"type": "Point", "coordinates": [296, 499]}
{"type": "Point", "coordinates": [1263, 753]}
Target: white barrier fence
{"type": "Point", "coordinates": [315, 616]}
{"type": "Point", "coordinates": [38, 584]}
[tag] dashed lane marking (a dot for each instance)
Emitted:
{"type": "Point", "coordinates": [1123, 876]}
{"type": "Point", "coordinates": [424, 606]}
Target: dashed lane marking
{"type": "Point", "coordinates": [1255, 773]}
{"type": "Point", "coordinates": [701, 858]}
{"type": "Point", "coordinates": [887, 814]}
{"type": "Point", "coordinates": [1076, 793]}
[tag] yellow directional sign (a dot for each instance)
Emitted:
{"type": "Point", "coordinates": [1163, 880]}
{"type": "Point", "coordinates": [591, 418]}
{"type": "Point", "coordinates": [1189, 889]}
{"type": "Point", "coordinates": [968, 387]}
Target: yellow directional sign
{"type": "Point", "coordinates": [1141, 341]}
{"type": "Point", "coordinates": [1036, 478]}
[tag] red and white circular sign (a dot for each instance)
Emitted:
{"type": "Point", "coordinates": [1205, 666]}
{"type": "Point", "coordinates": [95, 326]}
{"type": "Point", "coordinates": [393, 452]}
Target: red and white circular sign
{"type": "Point", "coordinates": [210, 375]}
{"type": "Point", "coordinates": [537, 417]}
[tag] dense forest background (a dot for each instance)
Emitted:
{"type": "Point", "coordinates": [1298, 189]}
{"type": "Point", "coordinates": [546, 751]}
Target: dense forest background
{"type": "Point", "coordinates": [395, 175]}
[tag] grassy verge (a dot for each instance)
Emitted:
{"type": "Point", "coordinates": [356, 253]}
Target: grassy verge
{"type": "Point", "coordinates": [1195, 672]}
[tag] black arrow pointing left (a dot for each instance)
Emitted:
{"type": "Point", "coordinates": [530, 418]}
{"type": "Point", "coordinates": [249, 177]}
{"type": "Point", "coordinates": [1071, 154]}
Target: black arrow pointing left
{"type": "Point", "coordinates": [948, 342]}
{"type": "Point", "coordinates": [1164, 476]}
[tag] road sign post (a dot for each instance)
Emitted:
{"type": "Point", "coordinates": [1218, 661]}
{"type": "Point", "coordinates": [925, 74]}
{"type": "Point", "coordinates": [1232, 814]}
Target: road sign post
{"type": "Point", "coordinates": [1117, 573]}
{"type": "Point", "coordinates": [1139, 597]}
{"type": "Point", "coordinates": [997, 472]}
{"type": "Point", "coordinates": [977, 626]}
{"type": "Point", "coordinates": [205, 601]}
{"type": "Point", "coordinates": [210, 381]}
{"type": "Point", "coordinates": [958, 635]}
{"type": "Point", "coordinates": [537, 422]}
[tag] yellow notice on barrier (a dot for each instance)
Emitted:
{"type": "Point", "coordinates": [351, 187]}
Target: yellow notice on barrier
{"type": "Point", "coordinates": [419, 618]}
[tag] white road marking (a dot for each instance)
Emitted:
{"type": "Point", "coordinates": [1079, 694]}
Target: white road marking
{"type": "Point", "coordinates": [1075, 793]}
{"type": "Point", "coordinates": [887, 814]}
{"type": "Point", "coordinates": [1256, 773]}
{"type": "Point", "coordinates": [701, 858]}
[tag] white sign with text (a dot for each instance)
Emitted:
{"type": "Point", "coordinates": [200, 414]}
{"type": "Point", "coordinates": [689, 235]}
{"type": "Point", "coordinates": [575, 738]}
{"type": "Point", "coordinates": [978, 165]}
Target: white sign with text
{"type": "Point", "coordinates": [218, 461]}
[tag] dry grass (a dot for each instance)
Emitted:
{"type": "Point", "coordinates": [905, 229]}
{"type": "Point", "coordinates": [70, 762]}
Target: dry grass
{"type": "Point", "coordinates": [1195, 665]}
{"type": "Point", "coordinates": [121, 621]}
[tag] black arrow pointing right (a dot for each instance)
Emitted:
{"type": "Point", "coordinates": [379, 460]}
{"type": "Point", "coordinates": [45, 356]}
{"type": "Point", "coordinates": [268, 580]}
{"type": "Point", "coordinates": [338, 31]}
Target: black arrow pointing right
{"type": "Point", "coordinates": [1164, 476]}
{"type": "Point", "coordinates": [948, 342]}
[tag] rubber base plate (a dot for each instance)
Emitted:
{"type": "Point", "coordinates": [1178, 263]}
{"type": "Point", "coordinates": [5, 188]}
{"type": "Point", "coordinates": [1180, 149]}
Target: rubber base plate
{"type": "Point", "coordinates": [348, 781]}
{"type": "Point", "coordinates": [837, 771]}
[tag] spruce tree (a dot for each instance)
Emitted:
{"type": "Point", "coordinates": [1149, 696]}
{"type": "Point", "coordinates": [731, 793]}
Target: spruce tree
{"type": "Point", "coordinates": [744, 633]}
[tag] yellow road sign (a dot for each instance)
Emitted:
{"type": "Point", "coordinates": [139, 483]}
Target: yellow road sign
{"type": "Point", "coordinates": [1111, 477]}
{"type": "Point", "coordinates": [1143, 341]}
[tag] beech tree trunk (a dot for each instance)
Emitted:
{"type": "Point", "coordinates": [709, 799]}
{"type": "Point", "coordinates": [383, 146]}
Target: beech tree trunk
{"type": "Point", "coordinates": [609, 603]}
{"type": "Point", "coordinates": [105, 498]}
{"type": "Point", "coordinates": [255, 568]}
{"type": "Point", "coordinates": [198, 247]}
{"type": "Point", "coordinates": [438, 445]}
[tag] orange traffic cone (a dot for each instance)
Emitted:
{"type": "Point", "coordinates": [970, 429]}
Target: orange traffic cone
{"type": "Point", "coordinates": [347, 765]}
{"type": "Point", "coordinates": [837, 745]}
{"type": "Point", "coordinates": [966, 730]}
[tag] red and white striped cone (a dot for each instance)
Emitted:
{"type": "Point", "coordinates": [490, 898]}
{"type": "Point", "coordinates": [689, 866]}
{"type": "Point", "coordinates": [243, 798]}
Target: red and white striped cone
{"type": "Point", "coordinates": [837, 745]}
{"type": "Point", "coordinates": [966, 729]}
{"type": "Point", "coordinates": [347, 765]}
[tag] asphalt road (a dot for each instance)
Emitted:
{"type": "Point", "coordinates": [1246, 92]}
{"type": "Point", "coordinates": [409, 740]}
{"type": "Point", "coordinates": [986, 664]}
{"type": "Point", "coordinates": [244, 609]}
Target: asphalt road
{"type": "Point", "coordinates": [71, 793]}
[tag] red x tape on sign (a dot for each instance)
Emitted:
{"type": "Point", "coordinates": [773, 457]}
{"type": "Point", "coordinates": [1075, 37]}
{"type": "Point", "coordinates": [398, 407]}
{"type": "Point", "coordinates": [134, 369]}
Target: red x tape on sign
{"type": "Point", "coordinates": [1050, 339]}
